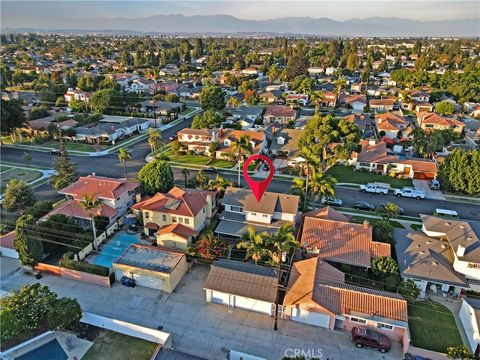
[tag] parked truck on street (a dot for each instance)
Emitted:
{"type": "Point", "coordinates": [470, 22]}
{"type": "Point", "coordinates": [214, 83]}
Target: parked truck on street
{"type": "Point", "coordinates": [410, 192]}
{"type": "Point", "coordinates": [376, 188]}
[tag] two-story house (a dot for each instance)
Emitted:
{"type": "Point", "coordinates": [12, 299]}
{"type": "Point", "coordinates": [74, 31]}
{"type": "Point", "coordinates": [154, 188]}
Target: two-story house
{"type": "Point", "coordinates": [279, 114]}
{"type": "Point", "coordinates": [178, 216]}
{"type": "Point", "coordinates": [197, 140]}
{"type": "Point", "coordinates": [243, 210]}
{"type": "Point", "coordinates": [391, 125]}
{"type": "Point", "coordinates": [284, 144]}
{"type": "Point", "coordinates": [432, 121]}
{"type": "Point", "coordinates": [444, 257]}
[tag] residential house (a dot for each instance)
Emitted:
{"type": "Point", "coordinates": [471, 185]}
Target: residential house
{"type": "Point", "coordinates": [151, 266]}
{"type": "Point", "coordinates": [470, 319]}
{"type": "Point", "coordinates": [433, 121]}
{"type": "Point", "coordinates": [476, 111]}
{"type": "Point", "coordinates": [123, 79]}
{"type": "Point", "coordinates": [238, 284]}
{"type": "Point", "coordinates": [246, 115]}
{"type": "Point", "coordinates": [417, 96]}
{"type": "Point", "coordinates": [7, 247]}
{"type": "Point", "coordinates": [279, 114]}
{"type": "Point", "coordinates": [300, 99]}
{"type": "Point", "coordinates": [198, 140]}
{"type": "Point", "coordinates": [329, 99]}
{"type": "Point", "coordinates": [79, 95]}
{"type": "Point", "coordinates": [271, 97]}
{"type": "Point", "coordinates": [165, 108]}
{"type": "Point", "coordinates": [313, 70]}
{"type": "Point", "coordinates": [189, 209]}
{"type": "Point", "coordinates": [227, 138]}
{"type": "Point", "coordinates": [318, 295]}
{"type": "Point", "coordinates": [111, 128]}
{"type": "Point", "coordinates": [422, 107]}
{"type": "Point", "coordinates": [382, 105]}
{"type": "Point", "coordinates": [391, 125]}
{"type": "Point", "coordinates": [243, 210]}
{"type": "Point", "coordinates": [374, 91]}
{"type": "Point", "coordinates": [362, 121]}
{"type": "Point", "coordinates": [443, 258]}
{"type": "Point", "coordinates": [356, 102]}
{"type": "Point", "coordinates": [285, 144]}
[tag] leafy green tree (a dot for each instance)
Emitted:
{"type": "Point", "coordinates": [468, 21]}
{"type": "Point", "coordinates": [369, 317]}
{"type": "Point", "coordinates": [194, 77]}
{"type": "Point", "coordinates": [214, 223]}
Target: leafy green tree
{"type": "Point", "coordinates": [323, 131]}
{"type": "Point", "coordinates": [459, 352]}
{"type": "Point", "coordinates": [297, 64]}
{"type": "Point", "coordinates": [255, 245]}
{"type": "Point", "coordinates": [461, 172]}
{"type": "Point", "coordinates": [28, 246]}
{"type": "Point", "coordinates": [208, 120]}
{"type": "Point", "coordinates": [60, 101]}
{"type": "Point", "coordinates": [66, 314]}
{"type": "Point", "coordinates": [123, 156]}
{"type": "Point", "coordinates": [383, 266]}
{"type": "Point", "coordinates": [18, 196]}
{"type": "Point", "coordinates": [103, 100]}
{"type": "Point", "coordinates": [409, 289]}
{"type": "Point", "coordinates": [212, 98]}
{"type": "Point", "coordinates": [186, 174]}
{"type": "Point", "coordinates": [153, 138]}
{"type": "Point", "coordinates": [388, 211]}
{"type": "Point", "coordinates": [13, 117]}
{"type": "Point", "coordinates": [156, 176]}
{"type": "Point", "coordinates": [445, 108]}
{"type": "Point", "coordinates": [66, 171]}
{"type": "Point", "coordinates": [383, 231]}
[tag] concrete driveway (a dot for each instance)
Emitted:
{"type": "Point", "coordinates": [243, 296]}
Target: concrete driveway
{"type": "Point", "coordinates": [198, 328]}
{"type": "Point", "coordinates": [429, 193]}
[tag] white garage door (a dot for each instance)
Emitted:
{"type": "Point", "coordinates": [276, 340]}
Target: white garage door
{"type": "Point", "coordinates": [309, 317]}
{"type": "Point", "coordinates": [141, 280]}
{"type": "Point", "coordinates": [220, 298]}
{"type": "Point", "coordinates": [253, 305]}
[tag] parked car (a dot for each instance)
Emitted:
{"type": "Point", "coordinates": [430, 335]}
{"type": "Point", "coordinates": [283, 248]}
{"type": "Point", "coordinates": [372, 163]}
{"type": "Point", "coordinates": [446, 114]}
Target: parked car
{"type": "Point", "coordinates": [434, 184]}
{"type": "Point", "coordinates": [367, 337]}
{"type": "Point", "coordinates": [210, 170]}
{"type": "Point", "coordinates": [375, 188]}
{"type": "Point", "coordinates": [363, 205]}
{"type": "Point", "coordinates": [410, 192]}
{"type": "Point", "coordinates": [381, 206]}
{"type": "Point", "coordinates": [332, 202]}
{"type": "Point", "coordinates": [55, 152]}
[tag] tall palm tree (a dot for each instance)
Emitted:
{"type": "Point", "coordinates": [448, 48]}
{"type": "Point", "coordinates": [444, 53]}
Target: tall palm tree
{"type": "Point", "coordinates": [185, 173]}
{"type": "Point", "coordinates": [283, 241]}
{"type": "Point", "coordinates": [242, 146]}
{"type": "Point", "coordinates": [153, 139]}
{"type": "Point", "coordinates": [308, 167]}
{"type": "Point", "coordinates": [90, 203]}
{"type": "Point", "coordinates": [123, 156]}
{"type": "Point", "coordinates": [255, 244]}
{"type": "Point", "coordinates": [323, 185]}
{"type": "Point", "coordinates": [340, 84]}
{"type": "Point", "coordinates": [316, 97]}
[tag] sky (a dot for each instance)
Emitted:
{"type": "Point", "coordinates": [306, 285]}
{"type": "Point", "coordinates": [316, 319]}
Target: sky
{"type": "Point", "coordinates": [30, 13]}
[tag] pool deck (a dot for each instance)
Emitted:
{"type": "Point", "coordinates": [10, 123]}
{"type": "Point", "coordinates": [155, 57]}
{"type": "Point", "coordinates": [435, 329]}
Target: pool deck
{"type": "Point", "coordinates": [79, 346]}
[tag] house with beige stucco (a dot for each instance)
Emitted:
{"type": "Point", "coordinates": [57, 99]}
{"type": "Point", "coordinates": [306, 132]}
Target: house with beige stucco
{"type": "Point", "coordinates": [176, 218]}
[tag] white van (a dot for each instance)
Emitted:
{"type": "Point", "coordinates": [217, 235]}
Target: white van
{"type": "Point", "coordinates": [445, 212]}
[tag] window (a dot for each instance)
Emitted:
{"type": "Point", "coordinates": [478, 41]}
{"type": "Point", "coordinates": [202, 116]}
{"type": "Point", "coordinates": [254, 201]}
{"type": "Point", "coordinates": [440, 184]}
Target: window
{"type": "Point", "coordinates": [174, 219]}
{"type": "Point", "coordinates": [254, 214]}
{"type": "Point", "coordinates": [180, 220]}
{"type": "Point", "coordinates": [187, 221]}
{"type": "Point", "coordinates": [164, 217]}
{"type": "Point", "coordinates": [147, 215]}
{"type": "Point", "coordinates": [203, 210]}
{"type": "Point", "coordinates": [358, 320]}
{"type": "Point", "coordinates": [236, 208]}
{"type": "Point", "coordinates": [384, 326]}
{"type": "Point", "coordinates": [265, 215]}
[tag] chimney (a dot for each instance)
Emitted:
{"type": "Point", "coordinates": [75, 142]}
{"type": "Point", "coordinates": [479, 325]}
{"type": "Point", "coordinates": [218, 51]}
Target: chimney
{"type": "Point", "coordinates": [93, 174]}
{"type": "Point", "coordinates": [365, 224]}
{"type": "Point", "coordinates": [138, 198]}
{"type": "Point", "coordinates": [460, 250]}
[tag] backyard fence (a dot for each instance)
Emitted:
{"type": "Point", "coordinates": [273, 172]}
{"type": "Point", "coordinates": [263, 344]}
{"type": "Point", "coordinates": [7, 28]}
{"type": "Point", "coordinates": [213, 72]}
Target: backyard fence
{"type": "Point", "coordinates": [82, 254]}
{"type": "Point", "coordinates": [81, 276]}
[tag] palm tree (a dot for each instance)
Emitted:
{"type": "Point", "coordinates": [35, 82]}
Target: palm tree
{"type": "Point", "coordinates": [153, 139]}
{"type": "Point", "coordinates": [242, 146]}
{"type": "Point", "coordinates": [340, 84]}
{"type": "Point", "coordinates": [324, 185]}
{"type": "Point", "coordinates": [316, 97]}
{"type": "Point", "coordinates": [123, 156]}
{"type": "Point", "coordinates": [90, 203]}
{"type": "Point", "coordinates": [283, 241]}
{"type": "Point", "coordinates": [255, 244]}
{"type": "Point", "coordinates": [308, 166]}
{"type": "Point", "coordinates": [185, 173]}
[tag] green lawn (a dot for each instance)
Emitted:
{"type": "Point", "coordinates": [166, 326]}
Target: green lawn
{"type": "Point", "coordinates": [21, 174]}
{"type": "Point", "coordinates": [4, 168]}
{"type": "Point", "coordinates": [112, 345]}
{"type": "Point", "coordinates": [200, 160]}
{"type": "Point", "coordinates": [432, 326]}
{"type": "Point", "coordinates": [222, 163]}
{"type": "Point", "coordinates": [187, 111]}
{"type": "Point", "coordinates": [372, 221]}
{"type": "Point", "coordinates": [345, 174]}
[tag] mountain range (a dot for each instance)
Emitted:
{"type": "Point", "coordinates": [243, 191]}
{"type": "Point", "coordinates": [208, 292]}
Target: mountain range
{"type": "Point", "coordinates": [226, 24]}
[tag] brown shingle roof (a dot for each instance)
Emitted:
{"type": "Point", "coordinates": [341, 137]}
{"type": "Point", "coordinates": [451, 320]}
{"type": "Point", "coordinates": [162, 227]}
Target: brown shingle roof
{"type": "Point", "coordinates": [280, 111]}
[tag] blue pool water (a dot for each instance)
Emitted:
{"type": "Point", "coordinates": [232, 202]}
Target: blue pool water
{"type": "Point", "coordinates": [49, 351]}
{"type": "Point", "coordinates": [114, 248]}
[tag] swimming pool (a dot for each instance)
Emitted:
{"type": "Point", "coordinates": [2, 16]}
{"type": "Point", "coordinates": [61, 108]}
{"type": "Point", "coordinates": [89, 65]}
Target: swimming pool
{"type": "Point", "coordinates": [114, 248]}
{"type": "Point", "coordinates": [51, 351]}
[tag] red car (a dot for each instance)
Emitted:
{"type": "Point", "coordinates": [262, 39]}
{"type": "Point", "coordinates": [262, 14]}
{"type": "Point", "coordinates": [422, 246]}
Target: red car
{"type": "Point", "coordinates": [367, 337]}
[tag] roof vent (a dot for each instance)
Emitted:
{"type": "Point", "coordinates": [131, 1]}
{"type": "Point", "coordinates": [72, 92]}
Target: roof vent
{"type": "Point", "coordinates": [428, 242]}
{"type": "Point", "coordinates": [443, 246]}
{"type": "Point", "coordinates": [460, 250]}
{"type": "Point", "coordinates": [469, 238]}
{"type": "Point", "coordinates": [435, 263]}
{"type": "Point", "coordinates": [462, 226]}
{"type": "Point", "coordinates": [422, 252]}
{"type": "Point", "coordinates": [447, 223]}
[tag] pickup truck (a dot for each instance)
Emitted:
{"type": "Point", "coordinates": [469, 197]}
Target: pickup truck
{"type": "Point", "coordinates": [410, 192]}
{"type": "Point", "coordinates": [374, 188]}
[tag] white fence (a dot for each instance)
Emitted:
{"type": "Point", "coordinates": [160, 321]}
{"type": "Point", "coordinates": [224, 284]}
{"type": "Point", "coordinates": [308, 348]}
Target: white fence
{"type": "Point", "coordinates": [82, 254]}
{"type": "Point", "coordinates": [129, 329]}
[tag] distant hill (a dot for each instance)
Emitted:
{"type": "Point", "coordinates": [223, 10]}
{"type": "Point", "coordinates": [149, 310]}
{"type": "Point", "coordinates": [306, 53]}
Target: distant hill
{"type": "Point", "coordinates": [225, 24]}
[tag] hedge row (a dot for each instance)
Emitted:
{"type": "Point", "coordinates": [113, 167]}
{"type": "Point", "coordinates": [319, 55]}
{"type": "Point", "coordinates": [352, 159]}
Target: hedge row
{"type": "Point", "coordinates": [69, 263]}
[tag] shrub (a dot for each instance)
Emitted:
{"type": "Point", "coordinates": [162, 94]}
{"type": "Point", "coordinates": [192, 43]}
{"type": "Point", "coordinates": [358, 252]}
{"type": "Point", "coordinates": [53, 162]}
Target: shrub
{"type": "Point", "coordinates": [68, 263]}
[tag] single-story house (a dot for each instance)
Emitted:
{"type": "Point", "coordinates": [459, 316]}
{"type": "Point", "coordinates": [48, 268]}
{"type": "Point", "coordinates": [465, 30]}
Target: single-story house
{"type": "Point", "coordinates": [151, 266]}
{"type": "Point", "coordinates": [279, 114]}
{"type": "Point", "coordinates": [356, 102]}
{"type": "Point", "coordinates": [470, 319]}
{"type": "Point", "coordinates": [432, 121]}
{"type": "Point", "coordinates": [165, 108]}
{"type": "Point", "coordinates": [382, 105]}
{"type": "Point", "coordinates": [238, 284]}
{"type": "Point", "coordinates": [176, 236]}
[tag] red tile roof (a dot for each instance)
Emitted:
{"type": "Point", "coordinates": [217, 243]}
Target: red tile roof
{"type": "Point", "coordinates": [421, 165]}
{"type": "Point", "coordinates": [389, 121]}
{"type": "Point", "coordinates": [376, 153]}
{"type": "Point", "coordinates": [432, 118]}
{"type": "Point", "coordinates": [98, 186]}
{"type": "Point", "coordinates": [73, 208]}
{"type": "Point", "coordinates": [327, 213]}
{"type": "Point", "coordinates": [179, 230]}
{"type": "Point", "coordinates": [185, 202]}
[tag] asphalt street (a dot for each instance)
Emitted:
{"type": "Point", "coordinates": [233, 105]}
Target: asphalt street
{"type": "Point", "coordinates": [110, 166]}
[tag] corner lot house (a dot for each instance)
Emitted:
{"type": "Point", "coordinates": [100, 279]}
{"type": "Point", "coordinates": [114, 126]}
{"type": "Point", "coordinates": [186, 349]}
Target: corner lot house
{"type": "Point", "coordinates": [190, 210]}
{"type": "Point", "coordinates": [243, 210]}
{"type": "Point", "coordinates": [470, 319]}
{"type": "Point", "coordinates": [242, 285]}
{"type": "Point", "coordinates": [444, 257]}
{"type": "Point", "coordinates": [151, 267]}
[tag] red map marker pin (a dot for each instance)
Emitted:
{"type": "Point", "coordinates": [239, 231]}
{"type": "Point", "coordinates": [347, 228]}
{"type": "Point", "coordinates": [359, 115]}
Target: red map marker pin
{"type": "Point", "coordinates": [258, 187]}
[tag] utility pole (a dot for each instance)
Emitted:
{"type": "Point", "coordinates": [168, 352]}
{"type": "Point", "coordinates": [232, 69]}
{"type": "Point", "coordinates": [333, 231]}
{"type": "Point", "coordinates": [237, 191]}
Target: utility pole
{"type": "Point", "coordinates": [279, 278]}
